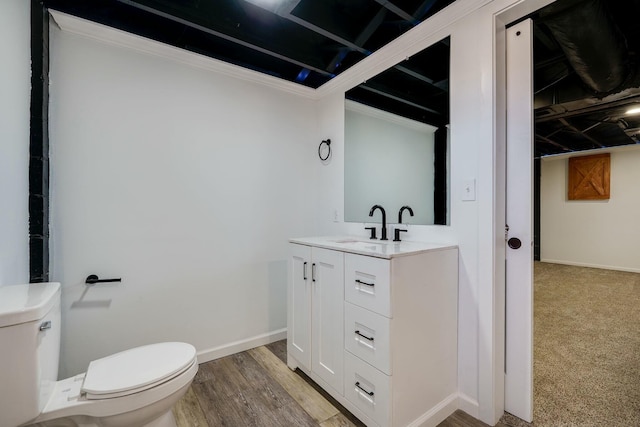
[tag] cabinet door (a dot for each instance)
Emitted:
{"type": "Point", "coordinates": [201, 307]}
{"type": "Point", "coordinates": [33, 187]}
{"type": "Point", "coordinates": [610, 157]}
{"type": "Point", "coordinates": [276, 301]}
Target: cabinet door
{"type": "Point", "coordinates": [328, 316]}
{"type": "Point", "coordinates": [299, 306]}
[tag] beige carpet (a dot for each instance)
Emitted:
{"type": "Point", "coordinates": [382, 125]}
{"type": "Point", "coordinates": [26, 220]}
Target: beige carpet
{"type": "Point", "coordinates": [586, 347]}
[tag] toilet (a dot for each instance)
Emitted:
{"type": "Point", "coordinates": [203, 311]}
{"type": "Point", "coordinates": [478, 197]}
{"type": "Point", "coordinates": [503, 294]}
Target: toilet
{"type": "Point", "coordinates": [133, 388]}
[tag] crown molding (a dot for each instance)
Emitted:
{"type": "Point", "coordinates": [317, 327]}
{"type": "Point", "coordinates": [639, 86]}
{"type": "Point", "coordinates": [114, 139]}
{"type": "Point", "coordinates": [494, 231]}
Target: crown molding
{"type": "Point", "coordinates": [112, 36]}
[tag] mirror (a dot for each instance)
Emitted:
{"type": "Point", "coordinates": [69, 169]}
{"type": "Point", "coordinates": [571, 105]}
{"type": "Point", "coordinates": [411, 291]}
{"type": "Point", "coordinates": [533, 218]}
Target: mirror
{"type": "Point", "coordinates": [397, 141]}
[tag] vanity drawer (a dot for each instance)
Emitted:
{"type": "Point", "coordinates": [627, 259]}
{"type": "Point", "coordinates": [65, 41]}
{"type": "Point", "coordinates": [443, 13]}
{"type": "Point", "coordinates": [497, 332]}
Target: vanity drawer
{"type": "Point", "coordinates": [367, 336]}
{"type": "Point", "coordinates": [366, 283]}
{"type": "Point", "coordinates": [368, 389]}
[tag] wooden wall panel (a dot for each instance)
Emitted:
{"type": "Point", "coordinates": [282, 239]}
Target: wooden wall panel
{"type": "Point", "coordinates": [589, 177]}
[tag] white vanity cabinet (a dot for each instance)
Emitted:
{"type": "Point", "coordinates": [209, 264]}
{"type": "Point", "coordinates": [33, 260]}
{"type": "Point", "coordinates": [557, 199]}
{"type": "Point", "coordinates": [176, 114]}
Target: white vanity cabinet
{"type": "Point", "coordinates": [392, 323]}
{"type": "Point", "coordinates": [315, 315]}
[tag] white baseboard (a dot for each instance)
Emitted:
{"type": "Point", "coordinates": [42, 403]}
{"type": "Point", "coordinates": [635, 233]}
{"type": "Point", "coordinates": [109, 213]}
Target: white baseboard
{"type": "Point", "coordinates": [586, 264]}
{"type": "Point", "coordinates": [468, 405]}
{"type": "Point", "coordinates": [242, 345]}
{"type": "Point", "coordinates": [438, 413]}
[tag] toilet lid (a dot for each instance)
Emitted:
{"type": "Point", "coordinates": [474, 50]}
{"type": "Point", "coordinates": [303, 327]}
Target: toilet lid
{"type": "Point", "coordinates": [136, 369]}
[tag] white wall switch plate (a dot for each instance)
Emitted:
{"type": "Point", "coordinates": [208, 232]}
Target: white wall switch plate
{"type": "Point", "coordinates": [469, 190]}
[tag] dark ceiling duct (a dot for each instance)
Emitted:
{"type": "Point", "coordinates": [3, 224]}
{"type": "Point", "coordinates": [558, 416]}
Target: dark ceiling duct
{"type": "Point", "coordinates": [592, 42]}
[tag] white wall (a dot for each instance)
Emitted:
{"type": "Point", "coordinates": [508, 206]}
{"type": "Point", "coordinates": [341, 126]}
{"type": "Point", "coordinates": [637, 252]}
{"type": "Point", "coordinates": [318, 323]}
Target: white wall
{"type": "Point", "coordinates": [185, 183]}
{"type": "Point", "coordinates": [592, 233]}
{"type": "Point", "coordinates": [15, 87]}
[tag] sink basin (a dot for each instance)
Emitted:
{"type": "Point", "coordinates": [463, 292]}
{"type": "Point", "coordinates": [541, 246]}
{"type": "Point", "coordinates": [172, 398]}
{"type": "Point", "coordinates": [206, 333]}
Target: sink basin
{"type": "Point", "coordinates": [356, 242]}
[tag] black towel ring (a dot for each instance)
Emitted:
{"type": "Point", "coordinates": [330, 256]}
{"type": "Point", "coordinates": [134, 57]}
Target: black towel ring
{"type": "Point", "coordinates": [328, 143]}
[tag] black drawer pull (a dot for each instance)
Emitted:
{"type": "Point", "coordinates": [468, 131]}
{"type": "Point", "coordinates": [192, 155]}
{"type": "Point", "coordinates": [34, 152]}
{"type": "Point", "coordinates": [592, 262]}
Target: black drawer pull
{"type": "Point", "coordinates": [364, 336]}
{"type": "Point", "coordinates": [304, 271]}
{"type": "Point", "coordinates": [364, 283]}
{"type": "Point", "coordinates": [370, 393]}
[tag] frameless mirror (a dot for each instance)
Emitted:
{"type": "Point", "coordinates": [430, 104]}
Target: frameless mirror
{"type": "Point", "coordinates": [397, 140]}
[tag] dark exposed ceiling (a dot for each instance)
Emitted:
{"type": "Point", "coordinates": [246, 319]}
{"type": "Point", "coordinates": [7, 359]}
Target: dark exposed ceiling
{"type": "Point", "coordinates": [586, 54]}
{"type": "Point", "coordinates": [586, 77]}
{"type": "Point", "coordinates": [303, 41]}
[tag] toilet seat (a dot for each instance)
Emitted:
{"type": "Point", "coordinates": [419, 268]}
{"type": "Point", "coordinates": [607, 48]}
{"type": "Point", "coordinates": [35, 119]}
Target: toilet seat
{"type": "Point", "coordinates": [137, 369]}
{"type": "Point", "coordinates": [68, 399]}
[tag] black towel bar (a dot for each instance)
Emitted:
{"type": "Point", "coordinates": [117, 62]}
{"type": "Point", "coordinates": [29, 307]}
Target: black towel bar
{"type": "Point", "coordinates": [91, 279]}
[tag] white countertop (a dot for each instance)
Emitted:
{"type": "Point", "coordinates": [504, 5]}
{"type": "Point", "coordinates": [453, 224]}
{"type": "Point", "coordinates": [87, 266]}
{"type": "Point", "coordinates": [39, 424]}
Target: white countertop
{"type": "Point", "coordinates": [377, 248]}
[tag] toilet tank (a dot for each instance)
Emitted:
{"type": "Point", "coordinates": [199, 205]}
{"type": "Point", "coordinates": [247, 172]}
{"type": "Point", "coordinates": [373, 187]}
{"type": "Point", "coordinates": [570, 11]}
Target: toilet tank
{"type": "Point", "coordinates": [29, 349]}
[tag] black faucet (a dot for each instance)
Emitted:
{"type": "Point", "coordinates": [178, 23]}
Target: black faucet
{"type": "Point", "coordinates": [396, 236]}
{"type": "Point", "coordinates": [400, 213]}
{"type": "Point", "coordinates": [384, 220]}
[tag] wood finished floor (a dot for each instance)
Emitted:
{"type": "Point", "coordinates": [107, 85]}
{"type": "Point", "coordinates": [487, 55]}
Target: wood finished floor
{"type": "Point", "coordinates": [256, 388]}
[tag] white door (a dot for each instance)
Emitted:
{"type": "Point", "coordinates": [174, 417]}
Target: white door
{"type": "Point", "coordinates": [299, 314]}
{"type": "Point", "coordinates": [519, 267]}
{"type": "Point", "coordinates": [328, 313]}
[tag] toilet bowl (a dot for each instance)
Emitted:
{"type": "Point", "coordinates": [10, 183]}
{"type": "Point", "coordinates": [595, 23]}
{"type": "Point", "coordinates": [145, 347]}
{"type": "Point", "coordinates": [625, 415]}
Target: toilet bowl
{"type": "Point", "coordinates": [133, 388]}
